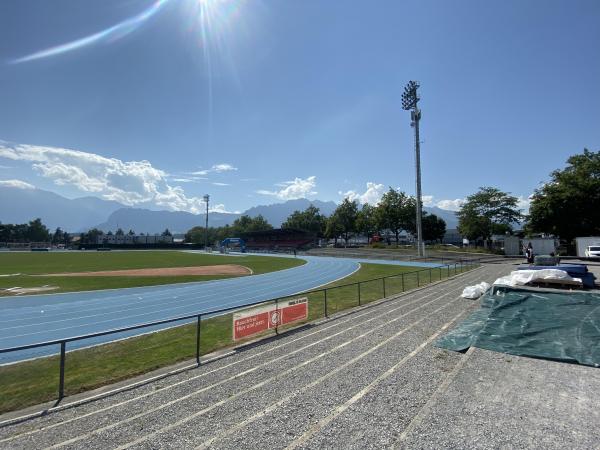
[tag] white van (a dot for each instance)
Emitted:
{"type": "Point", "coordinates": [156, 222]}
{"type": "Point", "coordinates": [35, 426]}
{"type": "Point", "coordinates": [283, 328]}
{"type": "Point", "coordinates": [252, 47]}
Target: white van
{"type": "Point", "coordinates": [593, 251]}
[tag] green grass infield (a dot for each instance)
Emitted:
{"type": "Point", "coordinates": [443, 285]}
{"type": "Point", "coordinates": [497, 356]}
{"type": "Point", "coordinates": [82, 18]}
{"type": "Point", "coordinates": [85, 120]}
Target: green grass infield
{"type": "Point", "coordinates": [23, 269]}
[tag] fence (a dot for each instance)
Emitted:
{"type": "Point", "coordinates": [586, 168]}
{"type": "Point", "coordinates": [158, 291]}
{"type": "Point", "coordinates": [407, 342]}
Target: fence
{"type": "Point", "coordinates": [323, 302]}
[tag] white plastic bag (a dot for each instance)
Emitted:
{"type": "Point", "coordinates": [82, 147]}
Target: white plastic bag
{"type": "Point", "coordinates": [476, 291]}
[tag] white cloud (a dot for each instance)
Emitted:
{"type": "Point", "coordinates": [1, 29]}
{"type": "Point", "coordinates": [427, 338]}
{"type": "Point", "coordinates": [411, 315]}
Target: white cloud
{"type": "Point", "coordinates": [16, 184]}
{"type": "Point", "coordinates": [218, 168]}
{"type": "Point", "coordinates": [220, 208]}
{"type": "Point", "coordinates": [220, 184]}
{"type": "Point", "coordinates": [427, 200]}
{"type": "Point", "coordinates": [524, 203]}
{"type": "Point", "coordinates": [223, 168]}
{"type": "Point", "coordinates": [450, 205]}
{"type": "Point", "coordinates": [128, 182]}
{"type": "Point", "coordinates": [298, 188]}
{"type": "Point", "coordinates": [372, 195]}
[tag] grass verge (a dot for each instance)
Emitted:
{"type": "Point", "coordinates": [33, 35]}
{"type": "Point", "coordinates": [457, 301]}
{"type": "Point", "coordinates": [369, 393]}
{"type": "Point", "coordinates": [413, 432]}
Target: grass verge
{"type": "Point", "coordinates": [33, 382]}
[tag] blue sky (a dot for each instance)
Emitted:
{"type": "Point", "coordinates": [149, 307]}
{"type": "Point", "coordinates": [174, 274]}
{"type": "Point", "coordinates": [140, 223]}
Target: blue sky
{"type": "Point", "coordinates": [258, 101]}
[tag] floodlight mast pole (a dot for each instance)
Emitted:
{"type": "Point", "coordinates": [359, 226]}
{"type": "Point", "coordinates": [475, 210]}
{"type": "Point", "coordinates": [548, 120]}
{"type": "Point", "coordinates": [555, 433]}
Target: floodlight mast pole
{"type": "Point", "coordinates": [206, 199]}
{"type": "Point", "coordinates": [409, 102]}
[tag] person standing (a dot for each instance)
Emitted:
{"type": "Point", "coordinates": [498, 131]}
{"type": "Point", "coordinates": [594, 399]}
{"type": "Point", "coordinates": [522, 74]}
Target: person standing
{"type": "Point", "coordinates": [529, 253]}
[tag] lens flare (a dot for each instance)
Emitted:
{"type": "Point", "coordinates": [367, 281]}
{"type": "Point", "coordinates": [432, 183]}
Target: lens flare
{"type": "Point", "coordinates": [110, 34]}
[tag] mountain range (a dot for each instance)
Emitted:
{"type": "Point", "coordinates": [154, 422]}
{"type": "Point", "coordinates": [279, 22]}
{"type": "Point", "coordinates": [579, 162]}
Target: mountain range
{"type": "Point", "coordinates": [19, 205]}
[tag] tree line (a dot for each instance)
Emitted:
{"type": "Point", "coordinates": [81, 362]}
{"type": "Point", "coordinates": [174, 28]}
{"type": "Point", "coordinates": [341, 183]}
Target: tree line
{"type": "Point", "coordinates": [567, 206]}
{"type": "Point", "coordinates": [34, 231]}
{"type": "Point", "coordinates": [395, 212]}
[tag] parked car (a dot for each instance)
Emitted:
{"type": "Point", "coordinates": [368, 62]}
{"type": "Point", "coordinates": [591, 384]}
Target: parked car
{"type": "Point", "coordinates": [592, 251]}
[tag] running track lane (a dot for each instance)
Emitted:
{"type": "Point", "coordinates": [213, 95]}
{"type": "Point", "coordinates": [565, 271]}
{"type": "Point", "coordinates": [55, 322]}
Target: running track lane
{"type": "Point", "coordinates": [38, 318]}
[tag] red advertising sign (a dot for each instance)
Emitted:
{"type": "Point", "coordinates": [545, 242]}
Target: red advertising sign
{"type": "Point", "coordinates": [256, 320]}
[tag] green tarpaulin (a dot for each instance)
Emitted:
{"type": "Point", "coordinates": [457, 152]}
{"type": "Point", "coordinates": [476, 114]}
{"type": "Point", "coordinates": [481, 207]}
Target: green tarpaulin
{"type": "Point", "coordinates": [550, 325]}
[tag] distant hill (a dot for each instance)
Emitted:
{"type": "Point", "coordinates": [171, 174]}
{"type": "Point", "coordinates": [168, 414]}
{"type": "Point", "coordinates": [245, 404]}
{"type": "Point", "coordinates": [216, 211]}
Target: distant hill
{"type": "Point", "coordinates": [22, 205]}
{"type": "Point", "coordinates": [148, 221]}
{"type": "Point", "coordinates": [277, 213]}
{"type": "Point", "coordinates": [19, 205]}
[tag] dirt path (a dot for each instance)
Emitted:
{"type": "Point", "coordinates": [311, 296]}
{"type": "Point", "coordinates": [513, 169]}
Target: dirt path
{"type": "Point", "coordinates": [223, 269]}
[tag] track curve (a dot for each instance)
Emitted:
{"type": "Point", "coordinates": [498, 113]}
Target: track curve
{"type": "Point", "coordinates": [38, 318]}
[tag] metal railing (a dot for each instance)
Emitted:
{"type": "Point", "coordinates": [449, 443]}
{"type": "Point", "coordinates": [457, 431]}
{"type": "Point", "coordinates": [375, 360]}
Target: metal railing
{"type": "Point", "coordinates": [454, 268]}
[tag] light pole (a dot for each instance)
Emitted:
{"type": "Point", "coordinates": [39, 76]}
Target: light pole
{"type": "Point", "coordinates": [206, 199]}
{"type": "Point", "coordinates": [409, 103]}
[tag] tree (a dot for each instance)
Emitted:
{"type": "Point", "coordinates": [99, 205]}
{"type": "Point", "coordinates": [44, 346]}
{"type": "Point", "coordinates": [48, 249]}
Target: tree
{"type": "Point", "coordinates": [569, 204]}
{"type": "Point", "coordinates": [333, 228]}
{"type": "Point", "coordinates": [119, 232]}
{"type": "Point", "coordinates": [166, 232]}
{"type": "Point", "coordinates": [37, 231]}
{"type": "Point", "coordinates": [394, 212]}
{"type": "Point", "coordinates": [131, 232]}
{"type": "Point", "coordinates": [57, 236]}
{"type": "Point", "coordinates": [310, 220]}
{"type": "Point", "coordinates": [486, 212]}
{"type": "Point", "coordinates": [91, 237]}
{"type": "Point", "coordinates": [434, 228]}
{"type": "Point", "coordinates": [365, 220]}
{"type": "Point", "coordinates": [345, 216]}
{"type": "Point", "coordinates": [197, 235]}
{"type": "Point", "coordinates": [245, 224]}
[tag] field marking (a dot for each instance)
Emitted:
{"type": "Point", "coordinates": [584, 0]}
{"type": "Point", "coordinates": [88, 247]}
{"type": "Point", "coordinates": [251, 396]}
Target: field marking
{"type": "Point", "coordinates": [360, 394]}
{"type": "Point", "coordinates": [352, 317]}
{"type": "Point", "coordinates": [328, 375]}
{"type": "Point", "coordinates": [256, 386]}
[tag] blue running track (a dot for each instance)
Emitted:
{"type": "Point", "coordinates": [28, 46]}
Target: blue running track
{"type": "Point", "coordinates": [38, 318]}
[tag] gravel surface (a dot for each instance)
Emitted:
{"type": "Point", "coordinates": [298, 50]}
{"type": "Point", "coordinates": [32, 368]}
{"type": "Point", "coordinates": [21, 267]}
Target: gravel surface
{"type": "Point", "coordinates": [354, 381]}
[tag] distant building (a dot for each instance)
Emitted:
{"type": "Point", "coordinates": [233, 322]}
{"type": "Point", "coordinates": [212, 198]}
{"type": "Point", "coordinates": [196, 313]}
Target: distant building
{"type": "Point", "coordinates": [133, 239]}
{"type": "Point", "coordinates": [453, 237]}
{"type": "Point", "coordinates": [278, 239]}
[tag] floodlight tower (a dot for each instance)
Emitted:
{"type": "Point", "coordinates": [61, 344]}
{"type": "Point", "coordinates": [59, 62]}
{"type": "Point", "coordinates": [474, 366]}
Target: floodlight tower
{"type": "Point", "coordinates": [206, 199]}
{"type": "Point", "coordinates": [409, 103]}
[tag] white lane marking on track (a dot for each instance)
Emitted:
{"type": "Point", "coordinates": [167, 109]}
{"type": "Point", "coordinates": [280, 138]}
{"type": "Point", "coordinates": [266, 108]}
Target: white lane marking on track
{"type": "Point", "coordinates": [188, 288]}
{"type": "Point", "coordinates": [131, 418]}
{"type": "Point", "coordinates": [171, 308]}
{"type": "Point", "coordinates": [360, 394]}
{"type": "Point", "coordinates": [281, 282]}
{"type": "Point", "coordinates": [353, 317]}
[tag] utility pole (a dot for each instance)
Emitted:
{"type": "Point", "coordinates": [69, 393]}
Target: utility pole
{"type": "Point", "coordinates": [409, 103]}
{"type": "Point", "coordinates": [206, 199]}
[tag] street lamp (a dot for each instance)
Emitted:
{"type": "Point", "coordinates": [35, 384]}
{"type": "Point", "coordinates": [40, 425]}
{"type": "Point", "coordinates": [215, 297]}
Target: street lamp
{"type": "Point", "coordinates": [409, 103]}
{"type": "Point", "coordinates": [206, 199]}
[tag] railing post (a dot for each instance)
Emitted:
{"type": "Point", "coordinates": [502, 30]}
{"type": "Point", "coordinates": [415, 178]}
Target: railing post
{"type": "Point", "coordinates": [448, 270]}
{"type": "Point", "coordinates": [418, 278]}
{"type": "Point", "coordinates": [383, 279]}
{"type": "Point", "coordinates": [325, 291]}
{"type": "Point", "coordinates": [440, 273]}
{"type": "Point", "coordinates": [198, 322]}
{"type": "Point", "coordinates": [61, 380]}
{"type": "Point", "coordinates": [402, 282]}
{"type": "Point", "coordinates": [430, 275]}
{"type": "Point", "coordinates": [278, 318]}
{"type": "Point", "coordinates": [358, 284]}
